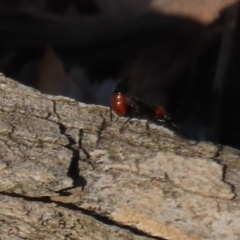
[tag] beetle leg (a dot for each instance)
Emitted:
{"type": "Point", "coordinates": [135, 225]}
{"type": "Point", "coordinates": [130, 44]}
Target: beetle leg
{"type": "Point", "coordinates": [124, 126]}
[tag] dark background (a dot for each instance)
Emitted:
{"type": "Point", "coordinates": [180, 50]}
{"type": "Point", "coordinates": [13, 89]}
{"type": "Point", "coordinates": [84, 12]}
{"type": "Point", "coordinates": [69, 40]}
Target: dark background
{"type": "Point", "coordinates": [70, 48]}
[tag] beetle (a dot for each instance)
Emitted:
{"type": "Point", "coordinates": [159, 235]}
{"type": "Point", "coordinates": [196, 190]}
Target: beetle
{"type": "Point", "coordinates": [132, 107]}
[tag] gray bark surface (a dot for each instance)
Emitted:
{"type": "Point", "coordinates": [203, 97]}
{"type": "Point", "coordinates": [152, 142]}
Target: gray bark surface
{"type": "Point", "coordinates": [66, 174]}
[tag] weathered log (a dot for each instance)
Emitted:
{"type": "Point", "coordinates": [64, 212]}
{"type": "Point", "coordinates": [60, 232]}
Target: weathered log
{"type": "Point", "coordinates": [144, 184]}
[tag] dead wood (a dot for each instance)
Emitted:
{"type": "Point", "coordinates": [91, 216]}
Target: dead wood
{"type": "Point", "coordinates": [144, 184]}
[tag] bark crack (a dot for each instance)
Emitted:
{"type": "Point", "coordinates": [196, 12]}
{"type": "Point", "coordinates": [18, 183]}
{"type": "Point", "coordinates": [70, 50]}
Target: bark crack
{"type": "Point", "coordinates": [224, 170]}
{"type": "Point", "coordinates": [103, 219]}
{"type": "Point", "coordinates": [73, 169]}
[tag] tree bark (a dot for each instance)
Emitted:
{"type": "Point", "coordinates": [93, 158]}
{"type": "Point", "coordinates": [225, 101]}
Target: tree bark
{"type": "Point", "coordinates": [68, 174]}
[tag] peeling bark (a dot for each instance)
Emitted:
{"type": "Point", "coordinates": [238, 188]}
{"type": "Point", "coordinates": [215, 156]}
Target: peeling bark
{"type": "Point", "coordinates": [67, 174]}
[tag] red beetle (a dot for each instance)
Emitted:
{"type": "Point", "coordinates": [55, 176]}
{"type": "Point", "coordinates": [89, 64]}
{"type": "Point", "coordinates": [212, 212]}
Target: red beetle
{"type": "Point", "coordinates": [125, 106]}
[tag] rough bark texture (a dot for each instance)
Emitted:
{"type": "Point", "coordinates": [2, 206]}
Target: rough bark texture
{"type": "Point", "coordinates": [144, 185]}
